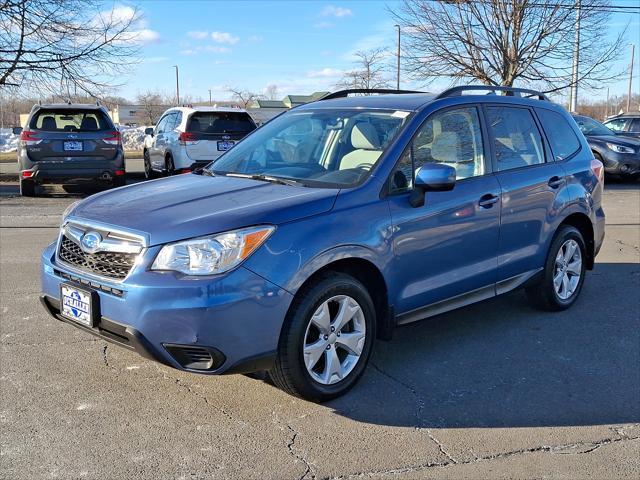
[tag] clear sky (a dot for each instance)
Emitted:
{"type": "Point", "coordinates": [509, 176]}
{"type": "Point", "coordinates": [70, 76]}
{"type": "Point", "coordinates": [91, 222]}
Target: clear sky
{"type": "Point", "coordinates": [300, 46]}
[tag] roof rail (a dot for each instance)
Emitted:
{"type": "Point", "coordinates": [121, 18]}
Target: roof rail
{"type": "Point", "coordinates": [508, 91]}
{"type": "Point", "coordinates": [345, 93]}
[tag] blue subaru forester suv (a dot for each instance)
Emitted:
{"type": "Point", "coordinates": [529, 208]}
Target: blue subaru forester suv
{"type": "Point", "coordinates": [329, 226]}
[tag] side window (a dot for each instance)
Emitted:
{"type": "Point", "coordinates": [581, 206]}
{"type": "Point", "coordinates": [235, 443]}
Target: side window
{"type": "Point", "coordinates": [563, 139]}
{"type": "Point", "coordinates": [171, 122]}
{"type": "Point", "coordinates": [516, 138]}
{"type": "Point", "coordinates": [178, 120]}
{"type": "Point", "coordinates": [617, 125]}
{"type": "Point", "coordinates": [160, 128]}
{"type": "Point", "coordinates": [452, 137]}
{"type": "Point", "coordinates": [635, 125]}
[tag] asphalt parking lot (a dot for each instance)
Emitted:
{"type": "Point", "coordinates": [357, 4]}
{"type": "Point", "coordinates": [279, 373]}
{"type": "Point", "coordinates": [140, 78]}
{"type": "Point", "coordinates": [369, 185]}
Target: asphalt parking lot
{"type": "Point", "coordinates": [495, 390]}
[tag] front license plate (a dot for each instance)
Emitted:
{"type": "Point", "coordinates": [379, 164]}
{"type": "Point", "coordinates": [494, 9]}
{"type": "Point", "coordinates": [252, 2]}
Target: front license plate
{"type": "Point", "coordinates": [76, 304]}
{"type": "Point", "coordinates": [72, 146]}
{"type": "Point", "coordinates": [225, 145]}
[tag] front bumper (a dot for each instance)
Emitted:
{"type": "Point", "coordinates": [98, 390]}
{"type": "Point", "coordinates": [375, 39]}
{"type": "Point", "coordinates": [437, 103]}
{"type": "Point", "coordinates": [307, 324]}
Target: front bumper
{"type": "Point", "coordinates": [623, 164]}
{"type": "Point", "coordinates": [237, 317]}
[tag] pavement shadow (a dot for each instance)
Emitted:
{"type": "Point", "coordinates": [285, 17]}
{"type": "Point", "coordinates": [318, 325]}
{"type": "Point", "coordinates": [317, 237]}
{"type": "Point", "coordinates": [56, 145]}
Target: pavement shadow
{"type": "Point", "coordinates": [501, 363]}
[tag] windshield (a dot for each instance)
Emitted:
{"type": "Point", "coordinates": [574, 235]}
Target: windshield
{"type": "Point", "coordinates": [69, 120]}
{"type": "Point", "coordinates": [315, 147]}
{"type": "Point", "coordinates": [589, 126]}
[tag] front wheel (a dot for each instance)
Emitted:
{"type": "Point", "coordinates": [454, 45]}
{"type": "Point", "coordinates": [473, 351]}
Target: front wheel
{"type": "Point", "coordinates": [564, 272]}
{"type": "Point", "coordinates": [326, 340]}
{"type": "Point", "coordinates": [27, 188]}
{"type": "Point", "coordinates": [149, 173]}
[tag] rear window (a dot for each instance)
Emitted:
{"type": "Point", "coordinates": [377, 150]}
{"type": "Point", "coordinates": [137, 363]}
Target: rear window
{"type": "Point", "coordinates": [563, 139]}
{"type": "Point", "coordinates": [67, 120]}
{"type": "Point", "coordinates": [220, 122]}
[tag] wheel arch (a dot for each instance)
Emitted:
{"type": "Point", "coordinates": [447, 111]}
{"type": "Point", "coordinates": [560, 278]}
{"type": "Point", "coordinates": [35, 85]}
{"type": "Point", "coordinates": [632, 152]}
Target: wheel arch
{"type": "Point", "coordinates": [582, 223]}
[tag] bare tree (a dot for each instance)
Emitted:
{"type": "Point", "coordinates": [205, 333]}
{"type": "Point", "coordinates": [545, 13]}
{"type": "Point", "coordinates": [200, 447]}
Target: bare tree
{"type": "Point", "coordinates": [66, 46]}
{"type": "Point", "coordinates": [243, 97]}
{"type": "Point", "coordinates": [369, 72]}
{"type": "Point", "coordinates": [499, 42]}
{"type": "Point", "coordinates": [152, 104]}
{"type": "Point", "coordinates": [272, 92]}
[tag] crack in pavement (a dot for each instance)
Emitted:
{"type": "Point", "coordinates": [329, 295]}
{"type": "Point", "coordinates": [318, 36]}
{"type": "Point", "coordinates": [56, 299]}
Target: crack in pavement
{"type": "Point", "coordinates": [553, 449]}
{"type": "Point", "coordinates": [292, 449]}
{"type": "Point", "coordinates": [46, 344]}
{"type": "Point", "coordinates": [104, 354]}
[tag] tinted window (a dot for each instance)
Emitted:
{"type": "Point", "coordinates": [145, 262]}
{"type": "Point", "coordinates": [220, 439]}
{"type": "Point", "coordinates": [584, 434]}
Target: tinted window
{"type": "Point", "coordinates": [452, 137]}
{"type": "Point", "coordinates": [162, 124]}
{"type": "Point", "coordinates": [220, 122]}
{"type": "Point", "coordinates": [617, 124]}
{"type": "Point", "coordinates": [172, 122]}
{"type": "Point", "coordinates": [635, 125]}
{"type": "Point", "coordinates": [68, 120]}
{"type": "Point", "coordinates": [516, 139]}
{"type": "Point", "coordinates": [588, 126]}
{"type": "Point", "coordinates": [564, 141]}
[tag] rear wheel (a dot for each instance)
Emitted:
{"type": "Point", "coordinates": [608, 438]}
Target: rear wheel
{"type": "Point", "coordinates": [326, 340]}
{"type": "Point", "coordinates": [27, 188]}
{"type": "Point", "coordinates": [170, 169]}
{"type": "Point", "coordinates": [564, 272]}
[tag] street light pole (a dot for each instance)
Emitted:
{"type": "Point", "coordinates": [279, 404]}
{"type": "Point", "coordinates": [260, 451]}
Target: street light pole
{"type": "Point", "coordinates": [398, 77]}
{"type": "Point", "coordinates": [177, 86]}
{"type": "Point", "coordinates": [210, 104]}
{"type": "Point", "coordinates": [633, 52]}
{"type": "Point", "coordinates": [573, 104]}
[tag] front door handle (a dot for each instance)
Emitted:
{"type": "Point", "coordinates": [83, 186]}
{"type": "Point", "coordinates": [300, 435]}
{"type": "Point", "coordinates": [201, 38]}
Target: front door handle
{"type": "Point", "coordinates": [487, 201]}
{"type": "Point", "coordinates": [555, 182]}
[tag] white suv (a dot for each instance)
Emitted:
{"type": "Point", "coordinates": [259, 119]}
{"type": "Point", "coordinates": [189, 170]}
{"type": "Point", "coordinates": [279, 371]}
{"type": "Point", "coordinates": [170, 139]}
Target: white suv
{"type": "Point", "coordinates": [189, 137]}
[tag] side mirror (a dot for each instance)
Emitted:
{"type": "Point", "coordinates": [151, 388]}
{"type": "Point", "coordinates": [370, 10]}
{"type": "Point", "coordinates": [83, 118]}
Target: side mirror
{"type": "Point", "coordinates": [432, 177]}
{"type": "Point", "coordinates": [16, 130]}
{"type": "Point", "coordinates": [148, 131]}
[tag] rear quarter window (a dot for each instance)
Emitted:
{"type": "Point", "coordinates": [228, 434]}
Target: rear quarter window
{"type": "Point", "coordinates": [220, 122]}
{"type": "Point", "coordinates": [563, 139]}
{"type": "Point", "coordinates": [68, 120]}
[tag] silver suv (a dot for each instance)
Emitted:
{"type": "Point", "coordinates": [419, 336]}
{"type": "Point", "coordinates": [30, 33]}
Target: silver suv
{"type": "Point", "coordinates": [69, 144]}
{"type": "Point", "coordinates": [186, 138]}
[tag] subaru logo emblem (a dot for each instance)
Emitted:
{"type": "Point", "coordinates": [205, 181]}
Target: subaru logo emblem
{"type": "Point", "coordinates": [71, 135]}
{"type": "Point", "coordinates": [90, 242]}
{"type": "Point", "coordinates": [226, 137]}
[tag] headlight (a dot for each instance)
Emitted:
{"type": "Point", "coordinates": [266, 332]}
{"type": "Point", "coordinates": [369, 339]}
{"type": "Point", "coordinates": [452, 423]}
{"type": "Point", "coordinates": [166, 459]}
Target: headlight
{"type": "Point", "coordinates": [619, 148]}
{"type": "Point", "coordinates": [68, 210]}
{"type": "Point", "coordinates": [212, 254]}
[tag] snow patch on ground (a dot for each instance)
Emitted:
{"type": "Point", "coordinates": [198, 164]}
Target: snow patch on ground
{"type": "Point", "coordinates": [8, 141]}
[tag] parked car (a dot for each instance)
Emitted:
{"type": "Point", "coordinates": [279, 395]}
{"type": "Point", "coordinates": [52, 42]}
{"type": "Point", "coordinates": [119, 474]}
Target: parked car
{"type": "Point", "coordinates": [625, 124]}
{"type": "Point", "coordinates": [293, 252]}
{"type": "Point", "coordinates": [69, 144]}
{"type": "Point", "coordinates": [186, 138]}
{"type": "Point", "coordinates": [619, 154]}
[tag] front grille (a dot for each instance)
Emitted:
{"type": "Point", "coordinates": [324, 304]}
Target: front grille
{"type": "Point", "coordinates": [107, 264]}
{"type": "Point", "coordinates": [90, 283]}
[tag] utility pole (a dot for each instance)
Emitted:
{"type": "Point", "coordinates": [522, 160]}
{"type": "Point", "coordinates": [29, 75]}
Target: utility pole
{"type": "Point", "coordinates": [606, 107]}
{"type": "Point", "coordinates": [573, 98]}
{"type": "Point", "coordinates": [210, 104]}
{"type": "Point", "coordinates": [177, 86]}
{"type": "Point", "coordinates": [398, 77]}
{"type": "Point", "coordinates": [633, 52]}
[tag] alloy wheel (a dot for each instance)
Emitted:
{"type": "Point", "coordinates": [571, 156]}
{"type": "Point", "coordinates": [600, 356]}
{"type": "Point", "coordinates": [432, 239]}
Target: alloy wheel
{"type": "Point", "coordinates": [334, 339]}
{"type": "Point", "coordinates": [568, 269]}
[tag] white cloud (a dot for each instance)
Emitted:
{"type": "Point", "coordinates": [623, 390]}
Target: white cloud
{"type": "Point", "coordinates": [338, 12]}
{"type": "Point", "coordinates": [214, 49]}
{"type": "Point", "coordinates": [156, 59]}
{"type": "Point", "coordinates": [324, 25]}
{"type": "Point", "coordinates": [197, 34]}
{"type": "Point", "coordinates": [325, 73]}
{"type": "Point", "coordinates": [206, 48]}
{"type": "Point", "coordinates": [224, 37]}
{"type": "Point", "coordinates": [147, 36]}
{"type": "Point", "coordinates": [122, 15]}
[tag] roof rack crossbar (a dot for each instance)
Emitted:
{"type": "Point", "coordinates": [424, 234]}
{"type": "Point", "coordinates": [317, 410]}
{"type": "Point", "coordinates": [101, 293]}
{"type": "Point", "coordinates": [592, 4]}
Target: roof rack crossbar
{"type": "Point", "coordinates": [345, 93]}
{"type": "Point", "coordinates": [509, 91]}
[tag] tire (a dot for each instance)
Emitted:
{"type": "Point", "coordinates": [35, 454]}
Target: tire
{"type": "Point", "coordinates": [149, 173]}
{"type": "Point", "coordinates": [318, 383]}
{"type": "Point", "coordinates": [169, 167]}
{"type": "Point", "coordinates": [27, 188]}
{"type": "Point", "coordinates": [545, 295]}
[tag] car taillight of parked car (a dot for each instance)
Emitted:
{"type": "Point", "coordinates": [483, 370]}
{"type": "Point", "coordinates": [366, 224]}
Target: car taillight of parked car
{"type": "Point", "coordinates": [186, 138]}
{"type": "Point", "coordinates": [114, 138]}
{"type": "Point", "coordinates": [598, 169]}
{"type": "Point", "coordinates": [28, 137]}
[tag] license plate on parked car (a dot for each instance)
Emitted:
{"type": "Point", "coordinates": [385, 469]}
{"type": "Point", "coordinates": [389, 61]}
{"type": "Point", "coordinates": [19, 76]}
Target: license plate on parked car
{"type": "Point", "coordinates": [72, 146]}
{"type": "Point", "coordinates": [224, 145]}
{"type": "Point", "coordinates": [76, 304]}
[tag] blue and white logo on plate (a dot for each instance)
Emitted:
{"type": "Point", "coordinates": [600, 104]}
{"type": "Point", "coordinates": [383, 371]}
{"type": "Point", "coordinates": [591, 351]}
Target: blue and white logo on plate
{"type": "Point", "coordinates": [90, 242]}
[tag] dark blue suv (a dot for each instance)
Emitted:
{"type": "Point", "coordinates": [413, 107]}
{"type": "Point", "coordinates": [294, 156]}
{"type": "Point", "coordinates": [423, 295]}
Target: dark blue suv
{"type": "Point", "coordinates": [329, 226]}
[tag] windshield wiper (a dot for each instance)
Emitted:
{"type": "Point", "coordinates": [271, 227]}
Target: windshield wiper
{"type": "Point", "coordinates": [267, 178]}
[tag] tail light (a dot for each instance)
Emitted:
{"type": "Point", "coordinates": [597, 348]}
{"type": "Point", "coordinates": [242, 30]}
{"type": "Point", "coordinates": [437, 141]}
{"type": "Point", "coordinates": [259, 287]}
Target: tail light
{"type": "Point", "coordinates": [27, 137]}
{"type": "Point", "coordinates": [27, 174]}
{"type": "Point", "coordinates": [113, 138]}
{"type": "Point", "coordinates": [120, 173]}
{"type": "Point", "coordinates": [186, 138]}
{"type": "Point", "coordinates": [598, 169]}
{"type": "Point", "coordinates": [184, 170]}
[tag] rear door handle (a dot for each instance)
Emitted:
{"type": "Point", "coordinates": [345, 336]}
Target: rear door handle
{"type": "Point", "coordinates": [486, 201]}
{"type": "Point", "coordinates": [555, 182]}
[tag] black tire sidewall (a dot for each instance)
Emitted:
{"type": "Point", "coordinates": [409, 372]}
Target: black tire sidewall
{"type": "Point", "coordinates": [296, 328]}
{"type": "Point", "coordinates": [566, 233]}
{"type": "Point", "coordinates": [27, 188]}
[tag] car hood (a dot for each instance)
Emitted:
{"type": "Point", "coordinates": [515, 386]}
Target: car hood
{"type": "Point", "coordinates": [617, 139]}
{"type": "Point", "coordinates": [191, 205]}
